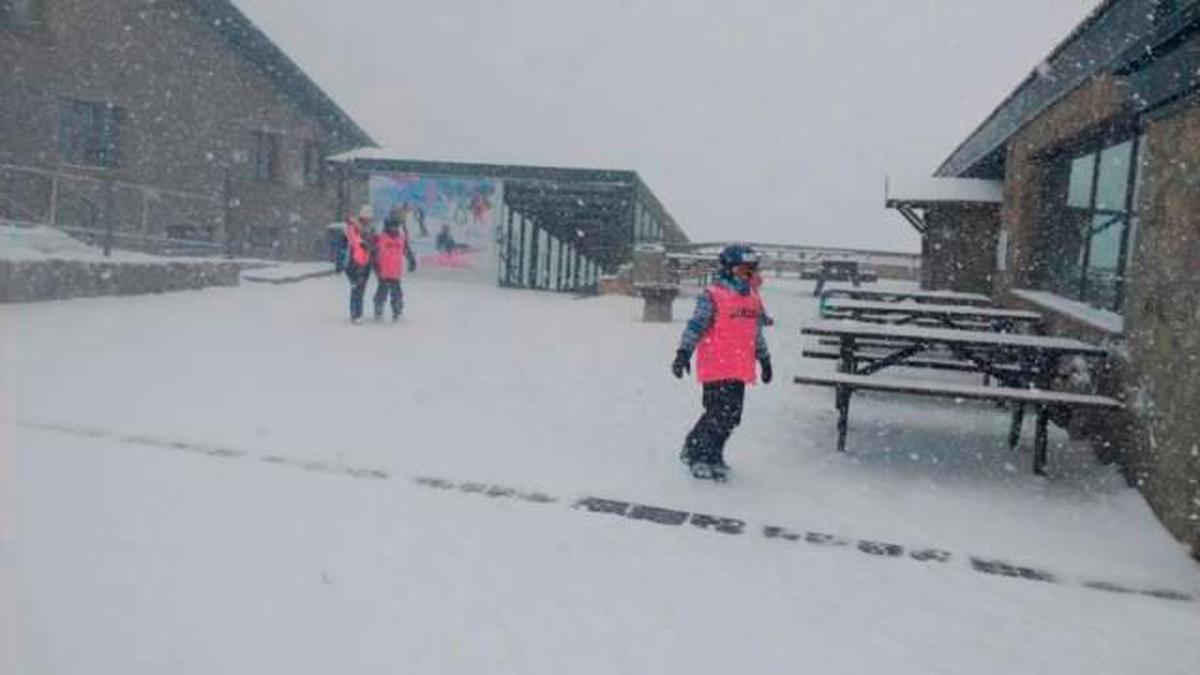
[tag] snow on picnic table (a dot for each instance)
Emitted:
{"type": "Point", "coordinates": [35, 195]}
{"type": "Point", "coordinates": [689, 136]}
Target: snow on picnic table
{"type": "Point", "coordinates": [224, 481]}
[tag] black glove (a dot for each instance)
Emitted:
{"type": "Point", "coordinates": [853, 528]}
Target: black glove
{"type": "Point", "coordinates": [682, 363]}
{"type": "Point", "coordinates": [767, 373]}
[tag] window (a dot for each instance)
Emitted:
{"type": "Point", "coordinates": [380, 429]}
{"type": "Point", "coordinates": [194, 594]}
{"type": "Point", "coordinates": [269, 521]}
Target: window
{"type": "Point", "coordinates": [1088, 237]}
{"type": "Point", "coordinates": [88, 133]}
{"type": "Point", "coordinates": [314, 164]}
{"type": "Point", "coordinates": [266, 156]}
{"type": "Point", "coordinates": [20, 13]}
{"type": "Point", "coordinates": [1163, 9]}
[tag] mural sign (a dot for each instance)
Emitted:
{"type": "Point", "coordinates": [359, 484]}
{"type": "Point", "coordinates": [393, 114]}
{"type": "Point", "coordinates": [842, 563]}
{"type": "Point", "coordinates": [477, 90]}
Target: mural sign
{"type": "Point", "coordinates": [451, 221]}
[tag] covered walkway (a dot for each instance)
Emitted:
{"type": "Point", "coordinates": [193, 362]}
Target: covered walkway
{"type": "Point", "coordinates": [559, 229]}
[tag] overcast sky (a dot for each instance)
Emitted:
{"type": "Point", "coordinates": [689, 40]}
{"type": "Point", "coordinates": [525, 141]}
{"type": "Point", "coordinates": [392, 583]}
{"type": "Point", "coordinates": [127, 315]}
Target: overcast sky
{"type": "Point", "coordinates": [760, 120]}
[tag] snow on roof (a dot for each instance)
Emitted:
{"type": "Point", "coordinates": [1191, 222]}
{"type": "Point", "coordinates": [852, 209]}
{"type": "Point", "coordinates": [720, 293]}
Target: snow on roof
{"type": "Point", "coordinates": [925, 190]}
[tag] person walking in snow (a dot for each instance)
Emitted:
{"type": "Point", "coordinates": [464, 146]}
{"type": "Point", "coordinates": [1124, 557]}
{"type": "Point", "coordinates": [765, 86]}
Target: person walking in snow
{"type": "Point", "coordinates": [725, 333]}
{"type": "Point", "coordinates": [360, 242]}
{"type": "Point", "coordinates": [391, 252]}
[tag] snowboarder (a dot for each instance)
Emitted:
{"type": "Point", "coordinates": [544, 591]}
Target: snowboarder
{"type": "Point", "coordinates": [725, 332]}
{"type": "Point", "coordinates": [391, 248]}
{"type": "Point", "coordinates": [360, 240]}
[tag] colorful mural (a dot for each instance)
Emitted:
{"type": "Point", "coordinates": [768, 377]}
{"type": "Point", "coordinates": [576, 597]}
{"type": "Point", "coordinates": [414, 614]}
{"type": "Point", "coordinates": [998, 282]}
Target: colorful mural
{"type": "Point", "coordinates": [451, 222]}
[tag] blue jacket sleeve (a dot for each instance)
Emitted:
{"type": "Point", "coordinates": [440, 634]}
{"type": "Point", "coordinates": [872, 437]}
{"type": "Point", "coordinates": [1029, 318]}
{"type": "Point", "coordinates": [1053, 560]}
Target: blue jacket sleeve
{"type": "Point", "coordinates": [699, 324]}
{"type": "Point", "coordinates": [760, 342]}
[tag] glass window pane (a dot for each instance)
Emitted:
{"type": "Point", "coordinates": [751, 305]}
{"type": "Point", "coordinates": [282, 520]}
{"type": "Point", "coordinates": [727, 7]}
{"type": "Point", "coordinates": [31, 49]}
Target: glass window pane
{"type": "Point", "coordinates": [1104, 254]}
{"type": "Point", "coordinates": [1113, 184]}
{"type": "Point", "coordinates": [1060, 258]}
{"type": "Point", "coordinates": [1079, 192]}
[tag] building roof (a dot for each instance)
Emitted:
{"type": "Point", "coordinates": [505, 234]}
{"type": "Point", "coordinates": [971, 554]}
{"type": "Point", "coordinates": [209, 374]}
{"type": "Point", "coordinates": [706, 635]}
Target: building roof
{"type": "Point", "coordinates": [1113, 37]}
{"type": "Point", "coordinates": [254, 45]}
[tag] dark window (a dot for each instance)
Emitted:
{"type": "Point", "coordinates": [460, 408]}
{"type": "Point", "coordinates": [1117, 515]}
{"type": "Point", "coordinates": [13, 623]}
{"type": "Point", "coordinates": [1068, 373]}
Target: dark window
{"type": "Point", "coordinates": [19, 13]}
{"type": "Point", "coordinates": [89, 133]}
{"type": "Point", "coordinates": [314, 164]}
{"type": "Point", "coordinates": [1089, 234]}
{"type": "Point", "coordinates": [266, 156]}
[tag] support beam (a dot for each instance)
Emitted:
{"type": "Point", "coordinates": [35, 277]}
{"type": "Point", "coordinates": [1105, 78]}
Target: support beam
{"type": "Point", "coordinates": [915, 219]}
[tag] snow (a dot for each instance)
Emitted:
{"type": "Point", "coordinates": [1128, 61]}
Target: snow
{"type": "Point", "coordinates": [903, 294]}
{"type": "Point", "coordinates": [927, 190]}
{"type": "Point", "coordinates": [909, 307]}
{"type": "Point", "coordinates": [947, 335]}
{"type": "Point", "coordinates": [1109, 322]}
{"type": "Point", "coordinates": [228, 481]}
{"type": "Point", "coordinates": [288, 271]}
{"type": "Point", "coordinates": [46, 243]}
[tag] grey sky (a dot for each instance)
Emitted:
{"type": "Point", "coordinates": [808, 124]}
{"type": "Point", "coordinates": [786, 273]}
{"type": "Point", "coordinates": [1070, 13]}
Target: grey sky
{"type": "Point", "coordinates": [767, 120]}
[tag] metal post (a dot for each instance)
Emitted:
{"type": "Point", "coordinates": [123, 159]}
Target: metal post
{"type": "Point", "coordinates": [109, 224]}
{"type": "Point", "coordinates": [534, 241]}
{"type": "Point", "coordinates": [558, 268]}
{"type": "Point", "coordinates": [521, 253]}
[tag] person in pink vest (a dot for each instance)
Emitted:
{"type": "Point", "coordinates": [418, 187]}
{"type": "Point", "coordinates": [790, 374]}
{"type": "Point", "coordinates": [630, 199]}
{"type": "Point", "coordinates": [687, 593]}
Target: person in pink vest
{"type": "Point", "coordinates": [391, 253]}
{"type": "Point", "coordinates": [360, 245]}
{"type": "Point", "coordinates": [725, 333]}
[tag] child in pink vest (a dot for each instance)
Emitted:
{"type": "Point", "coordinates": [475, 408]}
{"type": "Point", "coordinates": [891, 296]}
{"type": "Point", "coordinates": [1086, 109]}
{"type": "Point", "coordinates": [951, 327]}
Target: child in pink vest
{"type": "Point", "coordinates": [391, 252]}
{"type": "Point", "coordinates": [725, 332]}
{"type": "Point", "coordinates": [360, 244]}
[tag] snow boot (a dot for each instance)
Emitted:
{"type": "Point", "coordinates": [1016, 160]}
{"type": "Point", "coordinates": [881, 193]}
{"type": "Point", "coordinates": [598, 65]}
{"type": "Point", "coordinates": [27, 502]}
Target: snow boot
{"type": "Point", "coordinates": [720, 471]}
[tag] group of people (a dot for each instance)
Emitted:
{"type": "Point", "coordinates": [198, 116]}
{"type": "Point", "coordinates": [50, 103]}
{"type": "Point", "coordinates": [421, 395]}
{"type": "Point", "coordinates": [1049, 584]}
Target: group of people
{"type": "Point", "coordinates": [386, 253]}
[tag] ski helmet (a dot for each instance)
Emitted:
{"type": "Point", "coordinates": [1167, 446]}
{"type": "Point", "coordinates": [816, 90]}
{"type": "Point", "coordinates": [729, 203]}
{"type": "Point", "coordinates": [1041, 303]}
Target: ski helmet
{"type": "Point", "coordinates": [736, 255]}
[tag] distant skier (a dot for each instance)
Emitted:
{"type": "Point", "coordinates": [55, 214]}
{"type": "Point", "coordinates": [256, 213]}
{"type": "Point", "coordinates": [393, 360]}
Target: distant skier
{"type": "Point", "coordinates": [391, 251]}
{"type": "Point", "coordinates": [725, 331]}
{"type": "Point", "coordinates": [360, 242]}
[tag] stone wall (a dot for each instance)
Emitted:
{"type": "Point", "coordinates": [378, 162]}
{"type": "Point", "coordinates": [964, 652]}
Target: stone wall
{"type": "Point", "coordinates": [35, 280]}
{"type": "Point", "coordinates": [961, 246]}
{"type": "Point", "coordinates": [1162, 313]}
{"type": "Point", "coordinates": [1155, 368]}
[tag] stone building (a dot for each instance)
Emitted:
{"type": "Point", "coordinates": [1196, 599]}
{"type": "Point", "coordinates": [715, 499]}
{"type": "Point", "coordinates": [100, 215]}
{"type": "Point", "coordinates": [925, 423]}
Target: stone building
{"type": "Point", "coordinates": [164, 118]}
{"type": "Point", "coordinates": [1099, 153]}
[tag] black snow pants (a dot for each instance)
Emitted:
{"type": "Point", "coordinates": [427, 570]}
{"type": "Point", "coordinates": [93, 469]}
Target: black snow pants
{"type": "Point", "coordinates": [389, 287]}
{"type": "Point", "coordinates": [358, 276]}
{"type": "Point", "coordinates": [722, 412]}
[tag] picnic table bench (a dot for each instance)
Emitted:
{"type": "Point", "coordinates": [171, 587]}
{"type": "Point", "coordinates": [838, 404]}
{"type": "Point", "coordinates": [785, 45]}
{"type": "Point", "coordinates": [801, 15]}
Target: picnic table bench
{"type": "Point", "coordinates": [1023, 364]}
{"type": "Point", "coordinates": [1043, 400]}
{"type": "Point", "coordinates": [950, 316]}
{"type": "Point", "coordinates": [839, 270]}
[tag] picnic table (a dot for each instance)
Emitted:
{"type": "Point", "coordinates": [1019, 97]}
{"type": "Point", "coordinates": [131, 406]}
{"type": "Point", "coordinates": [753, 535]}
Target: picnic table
{"type": "Point", "coordinates": [839, 270]}
{"type": "Point", "coordinates": [950, 316]}
{"type": "Point", "coordinates": [1024, 364]}
{"type": "Point", "coordinates": [913, 295]}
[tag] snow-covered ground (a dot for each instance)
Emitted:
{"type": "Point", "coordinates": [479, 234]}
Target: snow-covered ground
{"type": "Point", "coordinates": [239, 481]}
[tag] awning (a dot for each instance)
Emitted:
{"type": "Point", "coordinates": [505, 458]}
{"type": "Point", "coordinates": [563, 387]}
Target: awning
{"type": "Point", "coordinates": [908, 194]}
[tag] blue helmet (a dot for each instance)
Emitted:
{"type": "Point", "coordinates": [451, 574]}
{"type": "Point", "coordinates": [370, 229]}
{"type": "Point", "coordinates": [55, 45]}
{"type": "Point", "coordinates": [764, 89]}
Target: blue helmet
{"type": "Point", "coordinates": [737, 254]}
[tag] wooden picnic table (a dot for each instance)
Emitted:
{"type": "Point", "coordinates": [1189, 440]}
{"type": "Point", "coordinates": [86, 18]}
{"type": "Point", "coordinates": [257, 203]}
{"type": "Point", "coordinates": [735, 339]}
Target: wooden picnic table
{"type": "Point", "coordinates": [908, 311]}
{"type": "Point", "coordinates": [839, 270]}
{"type": "Point", "coordinates": [1037, 356]}
{"type": "Point", "coordinates": [914, 295]}
{"type": "Point", "coordinates": [1024, 364]}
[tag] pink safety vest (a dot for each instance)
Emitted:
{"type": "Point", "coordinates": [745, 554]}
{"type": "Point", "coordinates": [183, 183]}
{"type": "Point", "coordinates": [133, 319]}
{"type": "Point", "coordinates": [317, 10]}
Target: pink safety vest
{"type": "Point", "coordinates": [728, 349]}
{"type": "Point", "coordinates": [389, 255]}
{"type": "Point", "coordinates": [354, 239]}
